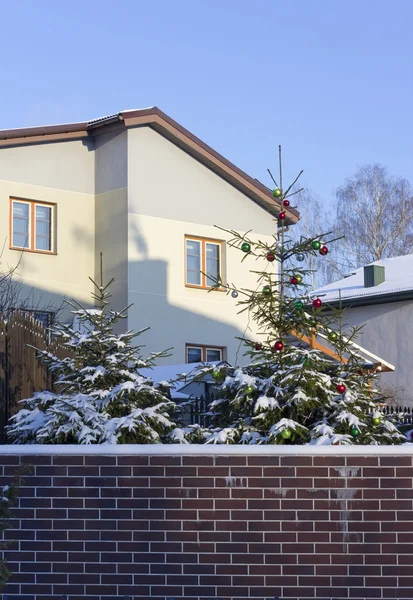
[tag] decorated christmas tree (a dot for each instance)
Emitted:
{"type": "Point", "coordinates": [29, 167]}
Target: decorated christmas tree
{"type": "Point", "coordinates": [101, 397]}
{"type": "Point", "coordinates": [293, 392]}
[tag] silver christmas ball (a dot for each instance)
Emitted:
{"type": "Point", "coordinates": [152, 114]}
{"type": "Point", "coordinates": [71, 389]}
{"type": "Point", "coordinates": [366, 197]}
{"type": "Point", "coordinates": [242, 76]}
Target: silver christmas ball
{"type": "Point", "coordinates": [279, 244]}
{"type": "Point", "coordinates": [234, 294]}
{"type": "Point", "coordinates": [300, 257]}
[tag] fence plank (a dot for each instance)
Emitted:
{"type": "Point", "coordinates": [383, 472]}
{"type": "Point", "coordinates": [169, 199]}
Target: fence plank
{"type": "Point", "coordinates": [21, 372]}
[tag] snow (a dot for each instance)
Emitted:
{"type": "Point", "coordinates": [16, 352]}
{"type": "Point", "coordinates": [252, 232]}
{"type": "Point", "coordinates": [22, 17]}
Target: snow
{"type": "Point", "coordinates": [201, 450]}
{"type": "Point", "coordinates": [398, 278]}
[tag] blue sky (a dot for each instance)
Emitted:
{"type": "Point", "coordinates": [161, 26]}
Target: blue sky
{"type": "Point", "coordinates": [330, 80]}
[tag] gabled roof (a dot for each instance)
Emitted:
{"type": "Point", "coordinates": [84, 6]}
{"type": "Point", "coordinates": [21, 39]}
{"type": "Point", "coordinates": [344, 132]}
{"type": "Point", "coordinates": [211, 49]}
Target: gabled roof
{"type": "Point", "coordinates": [168, 128]}
{"type": "Point", "coordinates": [398, 285]}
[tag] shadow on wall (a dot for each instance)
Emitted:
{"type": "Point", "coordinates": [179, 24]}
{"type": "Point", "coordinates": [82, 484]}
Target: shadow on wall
{"type": "Point", "coordinates": [171, 325]}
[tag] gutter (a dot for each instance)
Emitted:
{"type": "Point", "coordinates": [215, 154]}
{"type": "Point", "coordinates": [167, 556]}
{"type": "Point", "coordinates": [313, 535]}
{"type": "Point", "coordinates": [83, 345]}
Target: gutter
{"type": "Point", "coordinates": [386, 298]}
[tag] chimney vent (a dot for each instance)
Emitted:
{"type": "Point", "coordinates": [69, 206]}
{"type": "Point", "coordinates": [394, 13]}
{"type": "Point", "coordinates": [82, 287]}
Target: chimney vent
{"type": "Point", "coordinates": [373, 275]}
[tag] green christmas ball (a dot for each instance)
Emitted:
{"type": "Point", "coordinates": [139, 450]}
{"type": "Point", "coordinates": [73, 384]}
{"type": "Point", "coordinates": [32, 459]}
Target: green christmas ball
{"type": "Point", "coordinates": [316, 245]}
{"type": "Point", "coordinates": [266, 290]}
{"type": "Point", "coordinates": [299, 304]}
{"type": "Point", "coordinates": [286, 434]}
{"type": "Point", "coordinates": [298, 277]}
{"type": "Point", "coordinates": [277, 193]}
{"type": "Point", "coordinates": [245, 247]}
{"type": "Point", "coordinates": [215, 375]}
{"type": "Point", "coordinates": [332, 336]}
{"type": "Point", "coordinates": [313, 323]}
{"type": "Point", "coordinates": [376, 420]}
{"type": "Point", "coordinates": [249, 389]}
{"type": "Point", "coordinates": [355, 432]}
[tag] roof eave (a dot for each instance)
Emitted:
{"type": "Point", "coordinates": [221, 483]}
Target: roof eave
{"type": "Point", "coordinates": [385, 298]}
{"type": "Point", "coordinates": [168, 128]}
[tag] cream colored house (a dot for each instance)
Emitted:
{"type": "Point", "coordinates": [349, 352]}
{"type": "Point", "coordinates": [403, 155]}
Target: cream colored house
{"type": "Point", "coordinates": [147, 193]}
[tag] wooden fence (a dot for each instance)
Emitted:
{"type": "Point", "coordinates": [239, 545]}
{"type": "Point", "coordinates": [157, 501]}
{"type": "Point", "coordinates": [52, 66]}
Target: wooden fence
{"type": "Point", "coordinates": [21, 372]}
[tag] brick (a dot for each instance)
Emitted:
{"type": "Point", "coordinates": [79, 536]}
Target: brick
{"type": "Point", "coordinates": [100, 460]}
{"type": "Point", "coordinates": [392, 461]}
{"type": "Point", "coordinates": [313, 494]}
{"type": "Point", "coordinates": [378, 472]}
{"type": "Point", "coordinates": [263, 461]}
{"type": "Point", "coordinates": [66, 460]}
{"type": "Point", "coordinates": [401, 483]}
{"type": "Point", "coordinates": [133, 460]}
{"type": "Point", "coordinates": [203, 461]}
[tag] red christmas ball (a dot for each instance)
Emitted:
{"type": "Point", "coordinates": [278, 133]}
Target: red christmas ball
{"type": "Point", "coordinates": [278, 346]}
{"type": "Point", "coordinates": [258, 346]}
{"type": "Point", "coordinates": [294, 280]}
{"type": "Point", "coordinates": [270, 257]}
{"type": "Point", "coordinates": [317, 303]}
{"type": "Point", "coordinates": [286, 203]}
{"type": "Point", "coordinates": [341, 388]}
{"type": "Point", "coordinates": [281, 215]}
{"type": "Point", "coordinates": [323, 250]}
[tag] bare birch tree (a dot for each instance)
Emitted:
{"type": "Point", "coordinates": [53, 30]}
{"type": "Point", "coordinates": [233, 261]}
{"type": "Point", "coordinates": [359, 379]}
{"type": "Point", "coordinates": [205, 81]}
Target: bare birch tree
{"type": "Point", "coordinates": [375, 212]}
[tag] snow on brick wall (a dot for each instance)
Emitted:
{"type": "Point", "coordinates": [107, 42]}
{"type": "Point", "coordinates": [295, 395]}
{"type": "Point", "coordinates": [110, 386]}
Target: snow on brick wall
{"type": "Point", "coordinates": [224, 525]}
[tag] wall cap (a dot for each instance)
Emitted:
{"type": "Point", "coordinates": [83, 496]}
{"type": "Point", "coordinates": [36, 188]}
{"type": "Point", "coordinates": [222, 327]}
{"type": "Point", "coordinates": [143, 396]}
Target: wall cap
{"type": "Point", "coordinates": [201, 450]}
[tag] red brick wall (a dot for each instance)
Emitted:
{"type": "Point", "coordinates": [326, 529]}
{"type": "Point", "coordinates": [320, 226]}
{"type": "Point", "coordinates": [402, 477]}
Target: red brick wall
{"type": "Point", "coordinates": [207, 527]}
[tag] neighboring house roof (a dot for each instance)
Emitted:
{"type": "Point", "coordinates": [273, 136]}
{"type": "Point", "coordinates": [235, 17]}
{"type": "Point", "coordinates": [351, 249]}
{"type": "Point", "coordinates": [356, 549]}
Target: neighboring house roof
{"type": "Point", "coordinates": [397, 286]}
{"type": "Point", "coordinates": [167, 127]}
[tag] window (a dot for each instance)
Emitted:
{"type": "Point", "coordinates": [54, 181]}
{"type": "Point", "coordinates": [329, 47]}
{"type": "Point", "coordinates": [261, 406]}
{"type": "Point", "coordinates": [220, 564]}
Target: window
{"type": "Point", "coordinates": [44, 317]}
{"type": "Point", "coordinates": [203, 262]}
{"type": "Point", "coordinates": [199, 353]}
{"type": "Point", "coordinates": [31, 225]}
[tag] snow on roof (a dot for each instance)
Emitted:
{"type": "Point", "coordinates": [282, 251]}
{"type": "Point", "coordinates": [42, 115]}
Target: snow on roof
{"type": "Point", "coordinates": [398, 278]}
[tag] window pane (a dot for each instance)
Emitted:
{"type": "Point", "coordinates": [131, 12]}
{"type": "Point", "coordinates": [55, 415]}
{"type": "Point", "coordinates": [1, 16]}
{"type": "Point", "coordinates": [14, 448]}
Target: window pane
{"type": "Point", "coordinates": [43, 227]}
{"type": "Point", "coordinates": [193, 277]}
{"type": "Point", "coordinates": [42, 243]}
{"type": "Point", "coordinates": [20, 240]}
{"type": "Point", "coordinates": [212, 250]}
{"type": "Point", "coordinates": [43, 212]}
{"type": "Point", "coordinates": [212, 266]}
{"type": "Point", "coordinates": [193, 262]}
{"type": "Point", "coordinates": [193, 247]}
{"type": "Point", "coordinates": [213, 355]}
{"type": "Point", "coordinates": [20, 225]}
{"type": "Point", "coordinates": [212, 271]}
{"type": "Point", "coordinates": [20, 209]}
{"type": "Point", "coordinates": [43, 317]}
{"type": "Point", "coordinates": [194, 355]}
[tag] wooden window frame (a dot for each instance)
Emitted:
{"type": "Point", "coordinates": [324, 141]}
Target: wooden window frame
{"type": "Point", "coordinates": [32, 225]}
{"type": "Point", "coordinates": [203, 348]}
{"type": "Point", "coordinates": [204, 241]}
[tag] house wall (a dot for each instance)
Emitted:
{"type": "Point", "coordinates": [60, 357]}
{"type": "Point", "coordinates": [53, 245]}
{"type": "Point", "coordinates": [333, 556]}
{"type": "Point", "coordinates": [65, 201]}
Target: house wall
{"type": "Point", "coordinates": [67, 165]}
{"type": "Point", "coordinates": [111, 214]}
{"type": "Point", "coordinates": [170, 194]}
{"type": "Point", "coordinates": [211, 522]}
{"type": "Point", "coordinates": [385, 332]}
{"type": "Point", "coordinates": [63, 174]}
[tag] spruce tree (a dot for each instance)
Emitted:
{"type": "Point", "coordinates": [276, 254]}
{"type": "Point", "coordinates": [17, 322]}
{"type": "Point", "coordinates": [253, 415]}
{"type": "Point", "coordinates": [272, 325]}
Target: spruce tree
{"type": "Point", "coordinates": [291, 392]}
{"type": "Point", "coordinates": [101, 396]}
